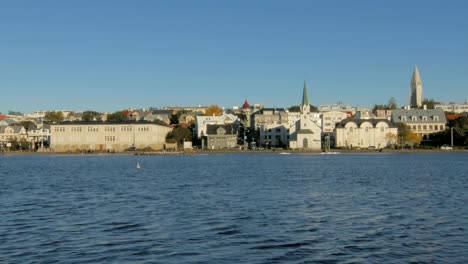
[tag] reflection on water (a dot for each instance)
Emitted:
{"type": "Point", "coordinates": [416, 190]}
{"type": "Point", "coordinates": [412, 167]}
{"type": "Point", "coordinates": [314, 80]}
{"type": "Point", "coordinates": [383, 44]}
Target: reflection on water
{"type": "Point", "coordinates": [265, 208]}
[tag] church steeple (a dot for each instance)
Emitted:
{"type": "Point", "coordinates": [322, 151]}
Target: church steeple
{"type": "Point", "coordinates": [415, 99]}
{"type": "Point", "coordinates": [305, 107]}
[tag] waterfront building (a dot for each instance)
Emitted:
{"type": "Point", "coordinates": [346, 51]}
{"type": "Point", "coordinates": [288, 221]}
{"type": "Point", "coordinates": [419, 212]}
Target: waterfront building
{"type": "Point", "coordinates": [107, 136]}
{"type": "Point", "coordinates": [456, 108]}
{"type": "Point", "coordinates": [364, 133]}
{"type": "Point", "coordinates": [11, 133]}
{"type": "Point", "coordinates": [421, 121]}
{"type": "Point", "coordinates": [222, 136]}
{"type": "Point", "coordinates": [416, 95]}
{"type": "Point", "coordinates": [305, 133]}
{"type": "Point", "coordinates": [270, 127]}
{"type": "Point", "coordinates": [39, 135]}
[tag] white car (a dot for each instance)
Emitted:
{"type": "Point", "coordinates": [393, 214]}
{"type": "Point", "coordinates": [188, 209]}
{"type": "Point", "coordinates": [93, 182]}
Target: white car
{"type": "Point", "coordinates": [446, 147]}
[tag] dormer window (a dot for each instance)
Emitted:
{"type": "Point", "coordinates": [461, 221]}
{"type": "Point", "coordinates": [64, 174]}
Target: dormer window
{"type": "Point", "coordinates": [403, 118]}
{"type": "Point", "coordinates": [424, 118]}
{"type": "Point", "coordinates": [436, 118]}
{"type": "Point", "coordinates": [413, 118]}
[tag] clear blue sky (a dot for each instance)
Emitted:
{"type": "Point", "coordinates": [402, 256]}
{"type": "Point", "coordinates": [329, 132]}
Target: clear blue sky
{"type": "Point", "coordinates": [110, 55]}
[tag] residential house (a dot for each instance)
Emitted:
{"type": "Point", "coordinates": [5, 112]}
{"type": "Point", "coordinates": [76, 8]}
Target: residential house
{"type": "Point", "coordinates": [203, 121]}
{"type": "Point", "coordinates": [222, 136]}
{"type": "Point", "coordinates": [161, 115]}
{"type": "Point", "coordinates": [11, 133]}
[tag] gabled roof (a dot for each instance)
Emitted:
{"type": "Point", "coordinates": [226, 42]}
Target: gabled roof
{"type": "Point", "coordinates": [418, 114]}
{"type": "Point", "coordinates": [231, 129]}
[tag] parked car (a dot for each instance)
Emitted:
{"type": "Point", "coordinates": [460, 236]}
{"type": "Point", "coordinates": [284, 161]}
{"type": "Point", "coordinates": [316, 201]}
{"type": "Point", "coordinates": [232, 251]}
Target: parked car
{"type": "Point", "coordinates": [446, 147]}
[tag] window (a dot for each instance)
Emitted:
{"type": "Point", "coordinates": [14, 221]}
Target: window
{"type": "Point", "coordinates": [367, 129]}
{"type": "Point", "coordinates": [382, 129]}
{"type": "Point", "coordinates": [413, 118]}
{"type": "Point", "coordinates": [278, 130]}
{"type": "Point", "coordinates": [351, 129]}
{"type": "Point", "coordinates": [424, 118]}
{"type": "Point", "coordinates": [403, 118]}
{"type": "Point", "coordinates": [424, 127]}
{"type": "Point", "coordinates": [419, 127]}
{"type": "Point", "coordinates": [441, 127]}
{"type": "Point", "coordinates": [430, 127]}
{"type": "Point", "coordinates": [436, 118]}
{"type": "Point", "coordinates": [414, 127]}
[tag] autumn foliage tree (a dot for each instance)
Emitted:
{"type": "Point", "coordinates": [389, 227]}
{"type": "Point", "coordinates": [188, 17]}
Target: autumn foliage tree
{"type": "Point", "coordinates": [54, 116]}
{"type": "Point", "coordinates": [408, 137]}
{"type": "Point", "coordinates": [213, 110]}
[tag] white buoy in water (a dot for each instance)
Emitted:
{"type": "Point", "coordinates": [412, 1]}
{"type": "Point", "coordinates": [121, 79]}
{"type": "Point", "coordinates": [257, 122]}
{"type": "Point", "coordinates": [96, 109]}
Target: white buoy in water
{"type": "Point", "coordinates": [138, 166]}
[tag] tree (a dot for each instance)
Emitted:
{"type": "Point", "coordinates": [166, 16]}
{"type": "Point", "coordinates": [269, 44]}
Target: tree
{"type": "Point", "coordinates": [412, 139]}
{"type": "Point", "coordinates": [213, 110]}
{"type": "Point", "coordinates": [430, 103]}
{"type": "Point", "coordinates": [26, 124]}
{"type": "Point", "coordinates": [294, 108]}
{"type": "Point", "coordinates": [392, 104]}
{"type": "Point", "coordinates": [179, 135]}
{"type": "Point", "coordinates": [91, 116]}
{"type": "Point", "coordinates": [54, 116]}
{"type": "Point", "coordinates": [407, 135]}
{"type": "Point", "coordinates": [297, 108]}
{"type": "Point", "coordinates": [391, 139]}
{"type": "Point", "coordinates": [15, 113]}
{"type": "Point", "coordinates": [117, 116]}
{"type": "Point", "coordinates": [378, 107]}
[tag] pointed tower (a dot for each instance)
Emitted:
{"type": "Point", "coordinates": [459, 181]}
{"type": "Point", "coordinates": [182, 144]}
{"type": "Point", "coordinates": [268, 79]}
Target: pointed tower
{"type": "Point", "coordinates": [305, 106]}
{"type": "Point", "coordinates": [416, 97]}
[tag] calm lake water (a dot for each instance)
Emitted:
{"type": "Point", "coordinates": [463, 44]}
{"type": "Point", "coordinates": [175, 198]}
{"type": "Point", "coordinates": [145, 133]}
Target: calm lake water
{"type": "Point", "coordinates": [267, 208]}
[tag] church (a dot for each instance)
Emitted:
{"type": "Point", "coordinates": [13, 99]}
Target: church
{"type": "Point", "coordinates": [305, 133]}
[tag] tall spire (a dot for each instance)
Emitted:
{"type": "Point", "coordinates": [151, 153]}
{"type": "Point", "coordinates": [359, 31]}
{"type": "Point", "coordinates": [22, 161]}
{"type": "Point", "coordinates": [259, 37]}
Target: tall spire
{"type": "Point", "coordinates": [305, 107]}
{"type": "Point", "coordinates": [305, 98]}
{"type": "Point", "coordinates": [415, 99]}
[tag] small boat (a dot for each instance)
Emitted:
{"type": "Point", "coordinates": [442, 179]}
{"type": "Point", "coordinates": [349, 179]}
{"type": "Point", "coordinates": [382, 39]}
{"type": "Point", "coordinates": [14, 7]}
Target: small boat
{"type": "Point", "coordinates": [138, 166]}
{"type": "Point", "coordinates": [284, 153]}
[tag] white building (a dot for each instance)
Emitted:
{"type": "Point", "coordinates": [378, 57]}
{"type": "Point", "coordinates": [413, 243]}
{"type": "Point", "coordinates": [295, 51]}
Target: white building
{"type": "Point", "coordinates": [453, 107]}
{"type": "Point", "coordinates": [203, 121]}
{"type": "Point", "coordinates": [107, 136]}
{"type": "Point", "coordinates": [330, 119]}
{"type": "Point", "coordinates": [364, 133]}
{"type": "Point", "coordinates": [306, 132]}
{"type": "Point", "coordinates": [12, 133]}
{"type": "Point", "coordinates": [420, 121]}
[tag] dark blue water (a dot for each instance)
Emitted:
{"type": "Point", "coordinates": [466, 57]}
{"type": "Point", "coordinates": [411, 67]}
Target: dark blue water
{"type": "Point", "coordinates": [389, 208]}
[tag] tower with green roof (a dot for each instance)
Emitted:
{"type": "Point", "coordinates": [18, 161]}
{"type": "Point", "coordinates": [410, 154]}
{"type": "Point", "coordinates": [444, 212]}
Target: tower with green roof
{"type": "Point", "coordinates": [305, 106]}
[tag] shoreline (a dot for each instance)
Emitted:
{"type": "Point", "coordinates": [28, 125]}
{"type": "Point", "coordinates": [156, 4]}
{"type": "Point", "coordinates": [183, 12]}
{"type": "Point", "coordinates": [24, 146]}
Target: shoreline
{"type": "Point", "coordinates": [240, 152]}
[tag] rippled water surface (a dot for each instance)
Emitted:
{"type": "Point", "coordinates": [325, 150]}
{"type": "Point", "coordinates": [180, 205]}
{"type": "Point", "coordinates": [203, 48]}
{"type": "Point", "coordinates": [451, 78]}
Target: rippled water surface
{"type": "Point", "coordinates": [388, 208]}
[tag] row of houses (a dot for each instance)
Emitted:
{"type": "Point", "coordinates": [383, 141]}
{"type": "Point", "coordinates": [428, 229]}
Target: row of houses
{"type": "Point", "coordinates": [337, 125]}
